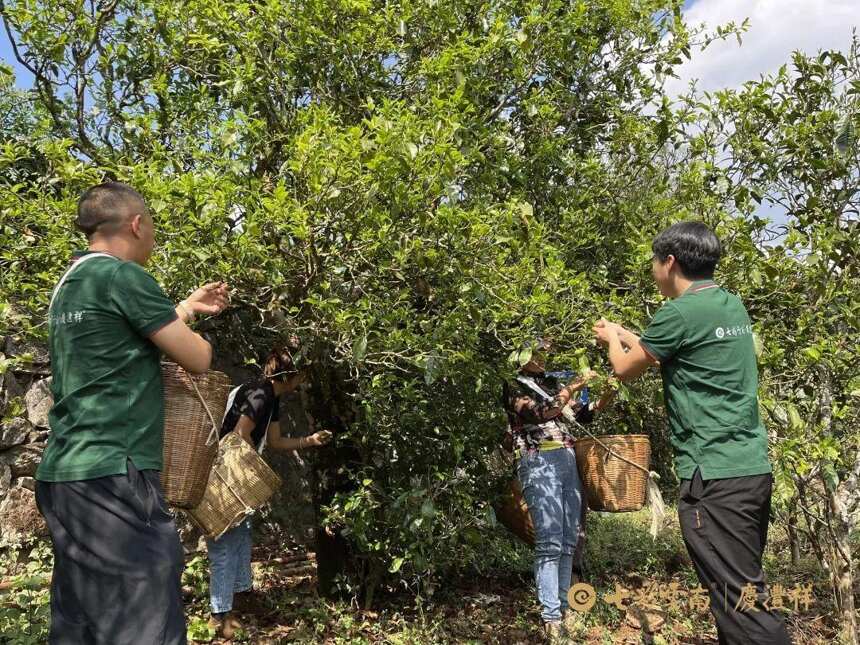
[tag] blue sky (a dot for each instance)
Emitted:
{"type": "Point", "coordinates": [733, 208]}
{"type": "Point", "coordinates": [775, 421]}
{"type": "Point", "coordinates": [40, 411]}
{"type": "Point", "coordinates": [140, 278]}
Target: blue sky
{"type": "Point", "coordinates": [22, 76]}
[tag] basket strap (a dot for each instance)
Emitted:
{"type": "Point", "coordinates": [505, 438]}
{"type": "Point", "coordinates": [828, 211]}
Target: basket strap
{"type": "Point", "coordinates": [568, 414]}
{"type": "Point", "coordinates": [653, 496]}
{"type": "Point", "coordinates": [213, 434]}
{"type": "Point", "coordinates": [78, 263]}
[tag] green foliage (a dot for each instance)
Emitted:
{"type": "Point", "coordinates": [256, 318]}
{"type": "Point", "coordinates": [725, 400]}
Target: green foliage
{"type": "Point", "coordinates": [25, 609]}
{"type": "Point", "coordinates": [420, 189]}
{"type": "Point", "coordinates": [199, 630]}
{"type": "Point", "coordinates": [196, 575]}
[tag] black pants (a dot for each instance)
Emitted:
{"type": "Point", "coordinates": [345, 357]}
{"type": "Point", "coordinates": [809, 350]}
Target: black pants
{"type": "Point", "coordinates": [117, 562]}
{"type": "Point", "coordinates": [724, 524]}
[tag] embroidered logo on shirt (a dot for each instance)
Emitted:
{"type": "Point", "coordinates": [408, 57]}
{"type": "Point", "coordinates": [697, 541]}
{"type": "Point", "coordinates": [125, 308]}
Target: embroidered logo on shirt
{"type": "Point", "coordinates": [736, 330]}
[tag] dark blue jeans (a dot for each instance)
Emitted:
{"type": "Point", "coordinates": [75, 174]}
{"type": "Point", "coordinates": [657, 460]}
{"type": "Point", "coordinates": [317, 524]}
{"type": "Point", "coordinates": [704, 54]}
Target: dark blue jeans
{"type": "Point", "coordinates": [553, 492]}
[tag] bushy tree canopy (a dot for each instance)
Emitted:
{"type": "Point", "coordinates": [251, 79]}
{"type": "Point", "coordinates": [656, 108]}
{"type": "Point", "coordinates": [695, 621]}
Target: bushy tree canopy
{"type": "Point", "coordinates": [419, 188]}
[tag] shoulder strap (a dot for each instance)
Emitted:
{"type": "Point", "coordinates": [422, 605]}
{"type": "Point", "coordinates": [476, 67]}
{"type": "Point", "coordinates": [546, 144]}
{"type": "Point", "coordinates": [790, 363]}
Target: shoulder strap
{"type": "Point", "coordinates": [230, 399]}
{"type": "Point", "coordinates": [266, 432]}
{"type": "Point", "coordinates": [77, 263]}
{"type": "Point", "coordinates": [265, 438]}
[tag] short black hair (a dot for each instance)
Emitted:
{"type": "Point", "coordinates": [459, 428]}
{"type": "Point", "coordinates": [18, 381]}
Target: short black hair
{"type": "Point", "coordinates": [106, 206]}
{"type": "Point", "coordinates": [695, 247]}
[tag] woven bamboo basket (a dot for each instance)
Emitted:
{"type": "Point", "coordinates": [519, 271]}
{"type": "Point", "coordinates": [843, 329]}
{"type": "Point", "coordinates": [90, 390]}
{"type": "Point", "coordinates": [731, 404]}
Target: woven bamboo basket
{"type": "Point", "coordinates": [189, 442]}
{"type": "Point", "coordinates": [512, 512]}
{"type": "Point", "coordinates": [510, 507]}
{"type": "Point", "coordinates": [610, 483]}
{"type": "Point", "coordinates": [240, 482]}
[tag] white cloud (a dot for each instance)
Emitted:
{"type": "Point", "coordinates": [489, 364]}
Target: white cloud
{"type": "Point", "coordinates": [777, 28]}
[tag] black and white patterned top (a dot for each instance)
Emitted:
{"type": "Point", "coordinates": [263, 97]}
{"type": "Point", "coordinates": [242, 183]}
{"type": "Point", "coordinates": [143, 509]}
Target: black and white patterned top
{"type": "Point", "coordinates": [255, 399]}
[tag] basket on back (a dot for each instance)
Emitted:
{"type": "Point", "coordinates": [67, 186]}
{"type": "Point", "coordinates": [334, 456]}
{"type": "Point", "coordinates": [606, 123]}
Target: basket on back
{"type": "Point", "coordinates": [189, 442]}
{"type": "Point", "coordinates": [512, 512]}
{"type": "Point", "coordinates": [510, 507]}
{"type": "Point", "coordinates": [611, 484]}
{"type": "Point", "coordinates": [240, 482]}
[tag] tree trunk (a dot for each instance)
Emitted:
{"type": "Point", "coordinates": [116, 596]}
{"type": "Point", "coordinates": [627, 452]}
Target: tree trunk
{"type": "Point", "coordinates": [793, 539]}
{"type": "Point", "coordinates": [333, 559]}
{"type": "Point", "coordinates": [843, 569]}
{"type": "Point", "coordinates": [375, 573]}
{"type": "Point", "coordinates": [812, 531]}
{"type": "Point", "coordinates": [840, 501]}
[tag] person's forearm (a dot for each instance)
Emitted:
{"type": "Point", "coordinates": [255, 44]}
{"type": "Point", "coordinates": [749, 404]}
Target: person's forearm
{"type": "Point", "coordinates": [575, 386]}
{"type": "Point", "coordinates": [537, 412]}
{"type": "Point", "coordinates": [204, 354]}
{"type": "Point", "coordinates": [245, 433]}
{"type": "Point", "coordinates": [627, 337]}
{"type": "Point", "coordinates": [605, 400]}
{"type": "Point", "coordinates": [616, 353]}
{"type": "Point", "coordinates": [287, 444]}
{"type": "Point", "coordinates": [182, 345]}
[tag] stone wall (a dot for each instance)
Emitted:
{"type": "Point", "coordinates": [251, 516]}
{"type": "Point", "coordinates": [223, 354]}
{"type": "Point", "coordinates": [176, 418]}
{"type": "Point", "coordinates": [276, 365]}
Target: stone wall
{"type": "Point", "coordinates": [25, 400]}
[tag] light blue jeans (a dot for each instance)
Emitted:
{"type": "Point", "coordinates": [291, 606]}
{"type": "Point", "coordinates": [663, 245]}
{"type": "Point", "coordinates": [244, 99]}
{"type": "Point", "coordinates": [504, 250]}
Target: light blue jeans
{"type": "Point", "coordinates": [229, 566]}
{"type": "Point", "coordinates": [553, 492]}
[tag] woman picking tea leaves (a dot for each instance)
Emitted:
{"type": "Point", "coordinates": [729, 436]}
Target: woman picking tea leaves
{"type": "Point", "coordinates": [253, 412]}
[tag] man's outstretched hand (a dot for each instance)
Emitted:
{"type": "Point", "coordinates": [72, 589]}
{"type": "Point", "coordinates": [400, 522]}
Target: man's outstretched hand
{"type": "Point", "coordinates": [210, 299]}
{"type": "Point", "coordinates": [604, 330]}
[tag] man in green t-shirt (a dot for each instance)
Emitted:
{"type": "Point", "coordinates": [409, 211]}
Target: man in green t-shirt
{"type": "Point", "coordinates": [702, 341]}
{"type": "Point", "coordinates": [117, 556]}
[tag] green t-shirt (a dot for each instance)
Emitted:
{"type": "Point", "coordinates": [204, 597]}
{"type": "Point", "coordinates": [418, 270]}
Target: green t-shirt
{"type": "Point", "coordinates": [108, 404]}
{"type": "Point", "coordinates": [704, 342]}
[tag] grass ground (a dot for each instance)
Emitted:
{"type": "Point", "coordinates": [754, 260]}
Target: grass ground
{"type": "Point", "coordinates": [495, 605]}
{"type": "Point", "coordinates": [498, 605]}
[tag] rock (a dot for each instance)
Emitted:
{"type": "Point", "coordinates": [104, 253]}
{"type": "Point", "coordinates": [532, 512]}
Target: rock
{"type": "Point", "coordinates": [20, 519]}
{"type": "Point", "coordinates": [10, 389]}
{"type": "Point", "coordinates": [5, 480]}
{"type": "Point", "coordinates": [19, 347]}
{"type": "Point", "coordinates": [14, 433]}
{"type": "Point", "coordinates": [39, 400]}
{"type": "Point", "coordinates": [23, 460]}
{"type": "Point", "coordinates": [648, 620]}
{"type": "Point", "coordinates": [26, 482]}
{"type": "Point", "coordinates": [38, 436]}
